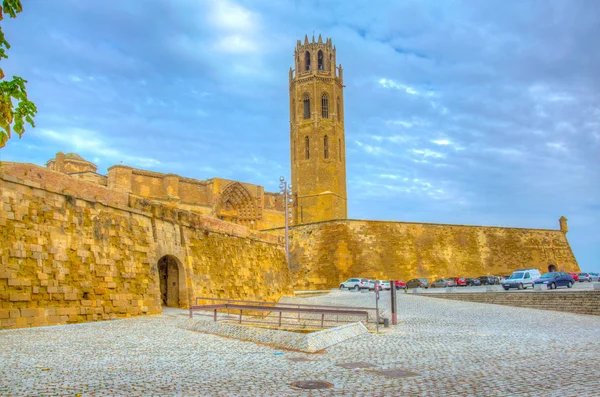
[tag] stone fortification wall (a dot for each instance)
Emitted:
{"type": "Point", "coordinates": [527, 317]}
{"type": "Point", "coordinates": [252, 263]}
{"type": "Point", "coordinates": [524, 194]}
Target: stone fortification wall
{"type": "Point", "coordinates": [73, 251]}
{"type": "Point", "coordinates": [324, 254]}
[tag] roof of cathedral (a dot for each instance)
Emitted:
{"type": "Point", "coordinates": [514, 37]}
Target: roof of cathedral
{"type": "Point", "coordinates": [74, 156]}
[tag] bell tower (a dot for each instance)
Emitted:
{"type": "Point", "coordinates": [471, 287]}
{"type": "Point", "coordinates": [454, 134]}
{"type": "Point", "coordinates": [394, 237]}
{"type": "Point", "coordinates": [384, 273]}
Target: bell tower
{"type": "Point", "coordinates": [317, 141]}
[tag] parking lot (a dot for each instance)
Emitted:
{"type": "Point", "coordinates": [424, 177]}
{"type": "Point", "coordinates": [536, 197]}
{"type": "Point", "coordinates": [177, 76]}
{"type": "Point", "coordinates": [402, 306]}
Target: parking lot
{"type": "Point", "coordinates": [450, 348]}
{"type": "Point", "coordinates": [583, 286]}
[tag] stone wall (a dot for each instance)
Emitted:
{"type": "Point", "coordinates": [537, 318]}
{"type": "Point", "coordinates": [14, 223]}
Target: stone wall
{"type": "Point", "coordinates": [580, 302]}
{"type": "Point", "coordinates": [327, 253]}
{"type": "Point", "coordinates": [73, 251]}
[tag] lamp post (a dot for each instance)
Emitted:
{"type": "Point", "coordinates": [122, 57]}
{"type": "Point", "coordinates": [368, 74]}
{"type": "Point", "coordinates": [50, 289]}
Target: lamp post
{"type": "Point", "coordinates": [286, 191]}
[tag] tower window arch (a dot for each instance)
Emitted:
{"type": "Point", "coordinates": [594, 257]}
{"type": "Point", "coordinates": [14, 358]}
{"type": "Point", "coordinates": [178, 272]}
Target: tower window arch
{"type": "Point", "coordinates": [340, 148]}
{"type": "Point", "coordinates": [325, 106]}
{"type": "Point", "coordinates": [306, 102]}
{"type": "Point", "coordinates": [307, 60]}
{"type": "Point", "coordinates": [320, 60]}
{"type": "Point", "coordinates": [306, 148]}
{"type": "Point", "coordinates": [293, 110]}
{"type": "Point", "coordinates": [337, 104]}
{"type": "Point", "coordinates": [325, 147]}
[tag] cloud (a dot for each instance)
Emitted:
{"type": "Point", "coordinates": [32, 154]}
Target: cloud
{"type": "Point", "coordinates": [480, 115]}
{"type": "Point", "coordinates": [89, 143]}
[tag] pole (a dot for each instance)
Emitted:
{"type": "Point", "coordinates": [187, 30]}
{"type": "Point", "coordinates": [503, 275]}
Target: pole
{"type": "Point", "coordinates": [287, 243]}
{"type": "Point", "coordinates": [394, 303]}
{"type": "Point", "coordinates": [283, 185]}
{"type": "Point", "coordinates": [377, 305]}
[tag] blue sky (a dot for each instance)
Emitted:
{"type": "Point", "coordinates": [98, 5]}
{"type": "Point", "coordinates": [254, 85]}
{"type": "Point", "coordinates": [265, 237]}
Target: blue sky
{"type": "Point", "coordinates": [463, 112]}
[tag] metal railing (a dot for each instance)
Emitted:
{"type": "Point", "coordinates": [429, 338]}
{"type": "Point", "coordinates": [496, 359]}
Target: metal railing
{"type": "Point", "coordinates": [303, 314]}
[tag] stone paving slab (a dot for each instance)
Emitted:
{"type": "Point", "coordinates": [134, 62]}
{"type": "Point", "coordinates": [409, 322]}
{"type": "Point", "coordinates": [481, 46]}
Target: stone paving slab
{"type": "Point", "coordinates": [455, 348]}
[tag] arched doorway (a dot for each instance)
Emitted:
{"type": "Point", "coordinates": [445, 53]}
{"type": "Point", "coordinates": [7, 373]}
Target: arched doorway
{"type": "Point", "coordinates": [169, 280]}
{"type": "Point", "coordinates": [551, 268]}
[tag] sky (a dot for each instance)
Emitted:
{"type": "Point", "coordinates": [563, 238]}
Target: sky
{"type": "Point", "coordinates": [460, 112]}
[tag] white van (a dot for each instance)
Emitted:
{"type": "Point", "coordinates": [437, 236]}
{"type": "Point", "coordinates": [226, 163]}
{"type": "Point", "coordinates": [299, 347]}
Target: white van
{"type": "Point", "coordinates": [521, 279]}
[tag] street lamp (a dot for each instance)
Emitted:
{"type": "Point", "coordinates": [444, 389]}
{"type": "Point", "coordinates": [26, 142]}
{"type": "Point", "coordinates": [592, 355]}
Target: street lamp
{"type": "Point", "coordinates": [286, 191]}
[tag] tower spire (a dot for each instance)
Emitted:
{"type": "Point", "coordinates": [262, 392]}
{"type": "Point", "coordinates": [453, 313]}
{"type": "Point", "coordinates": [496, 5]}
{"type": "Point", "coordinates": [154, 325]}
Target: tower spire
{"type": "Point", "coordinates": [317, 138]}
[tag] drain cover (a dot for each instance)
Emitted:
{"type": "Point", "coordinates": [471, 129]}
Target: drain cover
{"type": "Point", "coordinates": [299, 359]}
{"type": "Point", "coordinates": [312, 384]}
{"type": "Point", "coordinates": [396, 373]}
{"type": "Point", "coordinates": [359, 364]}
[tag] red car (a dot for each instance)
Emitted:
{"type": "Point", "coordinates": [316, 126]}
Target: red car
{"type": "Point", "coordinates": [400, 284]}
{"type": "Point", "coordinates": [575, 276]}
{"type": "Point", "coordinates": [461, 282]}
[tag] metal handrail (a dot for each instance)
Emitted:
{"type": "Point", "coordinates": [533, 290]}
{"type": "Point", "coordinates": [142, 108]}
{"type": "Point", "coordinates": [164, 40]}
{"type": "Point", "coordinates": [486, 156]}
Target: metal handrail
{"type": "Point", "coordinates": [279, 310]}
{"type": "Point", "coordinates": [278, 304]}
{"type": "Point", "coordinates": [283, 304]}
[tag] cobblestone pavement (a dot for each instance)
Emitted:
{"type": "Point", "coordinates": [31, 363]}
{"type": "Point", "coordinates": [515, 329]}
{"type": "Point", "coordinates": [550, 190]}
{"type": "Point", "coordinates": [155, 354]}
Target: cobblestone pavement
{"type": "Point", "coordinates": [455, 348]}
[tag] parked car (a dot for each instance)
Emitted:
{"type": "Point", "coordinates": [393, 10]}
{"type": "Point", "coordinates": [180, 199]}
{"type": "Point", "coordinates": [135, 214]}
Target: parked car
{"type": "Point", "coordinates": [461, 282]}
{"type": "Point", "coordinates": [595, 276]}
{"type": "Point", "coordinates": [575, 276]}
{"type": "Point", "coordinates": [556, 279]}
{"type": "Point", "coordinates": [473, 282]}
{"type": "Point", "coordinates": [371, 285]}
{"type": "Point", "coordinates": [584, 277]}
{"type": "Point", "coordinates": [384, 285]}
{"type": "Point", "coordinates": [521, 279]}
{"type": "Point", "coordinates": [355, 284]}
{"type": "Point", "coordinates": [417, 282]}
{"type": "Point", "coordinates": [443, 282]}
{"type": "Point", "coordinates": [489, 280]}
{"type": "Point", "coordinates": [400, 284]}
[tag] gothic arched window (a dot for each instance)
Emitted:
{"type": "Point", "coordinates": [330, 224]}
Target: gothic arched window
{"type": "Point", "coordinates": [339, 115]}
{"type": "Point", "coordinates": [340, 148]}
{"type": "Point", "coordinates": [293, 110]}
{"type": "Point", "coordinates": [320, 60]}
{"type": "Point", "coordinates": [324, 106]}
{"type": "Point", "coordinates": [307, 60]}
{"type": "Point", "coordinates": [306, 148]}
{"type": "Point", "coordinates": [325, 147]}
{"type": "Point", "coordinates": [306, 100]}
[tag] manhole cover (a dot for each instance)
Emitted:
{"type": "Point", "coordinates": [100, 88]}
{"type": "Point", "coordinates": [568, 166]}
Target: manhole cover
{"type": "Point", "coordinates": [299, 359]}
{"type": "Point", "coordinates": [312, 384]}
{"type": "Point", "coordinates": [396, 373]}
{"type": "Point", "coordinates": [359, 364]}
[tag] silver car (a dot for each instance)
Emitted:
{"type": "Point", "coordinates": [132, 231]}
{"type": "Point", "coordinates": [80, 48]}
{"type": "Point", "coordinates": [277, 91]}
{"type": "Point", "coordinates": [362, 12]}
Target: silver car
{"type": "Point", "coordinates": [444, 282]}
{"type": "Point", "coordinates": [355, 284]}
{"type": "Point", "coordinates": [384, 285]}
{"type": "Point", "coordinates": [585, 277]}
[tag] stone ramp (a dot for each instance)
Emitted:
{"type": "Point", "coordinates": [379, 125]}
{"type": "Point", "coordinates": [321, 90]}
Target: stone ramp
{"type": "Point", "coordinates": [309, 342]}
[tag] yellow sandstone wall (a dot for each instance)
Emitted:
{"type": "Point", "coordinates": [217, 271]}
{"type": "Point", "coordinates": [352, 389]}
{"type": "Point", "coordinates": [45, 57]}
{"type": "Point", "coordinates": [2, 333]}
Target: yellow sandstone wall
{"type": "Point", "coordinates": [324, 254]}
{"type": "Point", "coordinates": [73, 251]}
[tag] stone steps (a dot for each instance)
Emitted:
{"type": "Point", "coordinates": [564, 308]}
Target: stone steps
{"type": "Point", "coordinates": [580, 302]}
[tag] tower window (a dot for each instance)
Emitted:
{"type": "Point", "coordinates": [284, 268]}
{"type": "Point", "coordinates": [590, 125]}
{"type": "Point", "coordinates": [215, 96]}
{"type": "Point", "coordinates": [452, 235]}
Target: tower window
{"type": "Point", "coordinates": [325, 106]}
{"type": "Point", "coordinates": [320, 60]}
{"type": "Point", "coordinates": [340, 148]}
{"type": "Point", "coordinates": [325, 147]}
{"type": "Point", "coordinates": [307, 60]}
{"type": "Point", "coordinates": [294, 150]}
{"type": "Point", "coordinates": [339, 115]}
{"type": "Point", "coordinates": [306, 101]}
{"type": "Point", "coordinates": [306, 148]}
{"type": "Point", "coordinates": [293, 110]}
